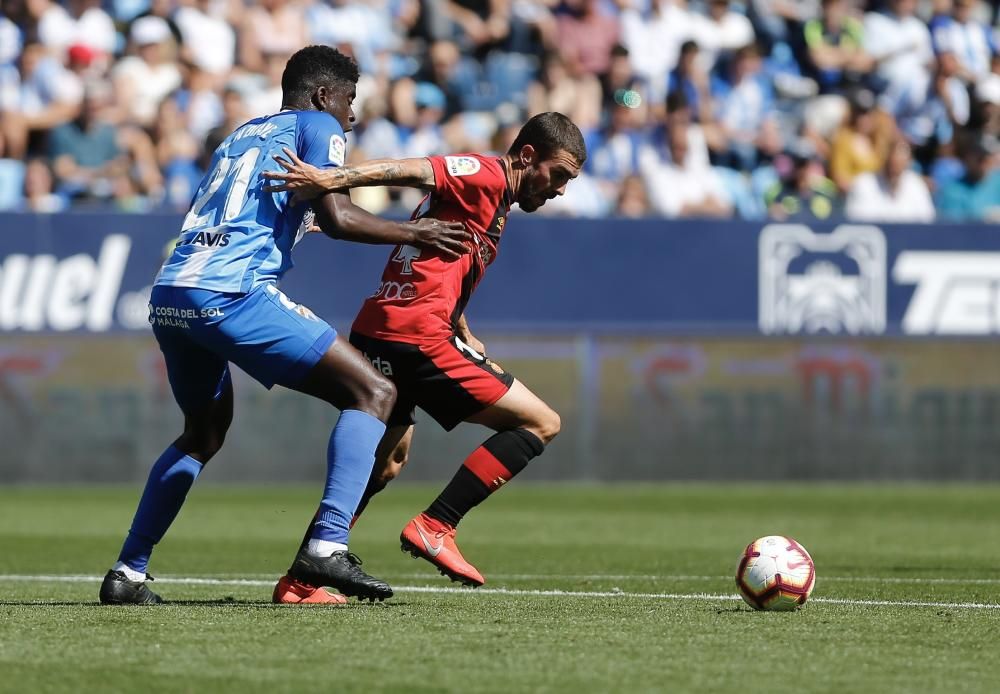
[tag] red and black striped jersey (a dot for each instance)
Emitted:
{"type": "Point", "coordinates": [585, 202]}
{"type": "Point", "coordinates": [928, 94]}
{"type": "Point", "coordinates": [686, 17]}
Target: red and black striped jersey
{"type": "Point", "coordinates": [422, 294]}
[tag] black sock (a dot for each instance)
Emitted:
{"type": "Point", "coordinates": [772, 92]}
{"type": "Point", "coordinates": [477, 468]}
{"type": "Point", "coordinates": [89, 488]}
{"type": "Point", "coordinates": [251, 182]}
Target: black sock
{"type": "Point", "coordinates": [491, 465]}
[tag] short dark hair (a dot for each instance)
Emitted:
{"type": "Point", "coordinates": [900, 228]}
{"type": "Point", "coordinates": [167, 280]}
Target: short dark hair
{"type": "Point", "coordinates": [315, 66]}
{"type": "Point", "coordinates": [548, 133]}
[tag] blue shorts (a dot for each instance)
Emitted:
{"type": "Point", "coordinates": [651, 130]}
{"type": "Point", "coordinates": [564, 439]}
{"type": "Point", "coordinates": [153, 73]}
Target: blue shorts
{"type": "Point", "coordinates": [263, 332]}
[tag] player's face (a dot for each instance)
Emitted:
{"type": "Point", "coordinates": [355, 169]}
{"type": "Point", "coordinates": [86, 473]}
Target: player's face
{"type": "Point", "coordinates": [338, 101]}
{"type": "Point", "coordinates": [545, 179]}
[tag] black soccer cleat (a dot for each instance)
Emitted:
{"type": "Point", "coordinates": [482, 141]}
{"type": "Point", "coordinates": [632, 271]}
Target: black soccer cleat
{"type": "Point", "coordinates": [117, 589]}
{"type": "Point", "coordinates": [339, 571]}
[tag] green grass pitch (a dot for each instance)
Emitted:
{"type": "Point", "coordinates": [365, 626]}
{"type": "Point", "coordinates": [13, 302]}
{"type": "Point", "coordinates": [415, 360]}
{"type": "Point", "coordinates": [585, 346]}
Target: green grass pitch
{"type": "Point", "coordinates": [590, 589]}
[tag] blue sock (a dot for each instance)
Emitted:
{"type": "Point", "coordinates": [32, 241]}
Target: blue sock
{"type": "Point", "coordinates": [350, 458]}
{"type": "Point", "coordinates": [168, 484]}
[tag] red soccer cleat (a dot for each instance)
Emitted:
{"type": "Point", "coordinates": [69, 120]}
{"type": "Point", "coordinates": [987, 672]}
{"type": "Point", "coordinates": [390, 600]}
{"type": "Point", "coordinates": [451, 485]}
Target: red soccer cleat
{"type": "Point", "coordinates": [428, 538]}
{"type": "Point", "coordinates": [288, 591]}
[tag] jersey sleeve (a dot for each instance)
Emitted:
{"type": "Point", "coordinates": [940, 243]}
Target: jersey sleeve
{"type": "Point", "coordinates": [465, 177]}
{"type": "Point", "coordinates": [319, 140]}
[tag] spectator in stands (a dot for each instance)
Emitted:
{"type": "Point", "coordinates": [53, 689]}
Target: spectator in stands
{"type": "Point", "coordinates": [975, 196]}
{"type": "Point", "coordinates": [679, 186]}
{"type": "Point", "coordinates": [899, 42]}
{"type": "Point", "coordinates": [11, 40]}
{"type": "Point", "coordinates": [927, 111]}
{"type": "Point", "coordinates": [164, 9]}
{"type": "Point", "coordinates": [835, 55]}
{"type": "Point", "coordinates": [143, 80]}
{"type": "Point", "coordinates": [772, 19]}
{"type": "Point", "coordinates": [588, 32]}
{"type": "Point", "coordinates": [234, 114]}
{"type": "Point", "coordinates": [803, 193]}
{"type": "Point", "coordinates": [367, 25]}
{"type": "Point", "coordinates": [85, 23]}
{"type": "Point", "coordinates": [478, 24]}
{"type": "Point", "coordinates": [85, 153]}
{"type": "Point", "coordinates": [721, 33]}
{"type": "Point", "coordinates": [613, 151]}
{"type": "Point", "coordinates": [209, 39]}
{"type": "Point", "coordinates": [567, 88]}
{"type": "Point", "coordinates": [443, 68]}
{"type": "Point", "coordinates": [691, 78]}
{"type": "Point", "coordinates": [633, 201]}
{"type": "Point", "coordinates": [271, 27]}
{"type": "Point", "coordinates": [619, 79]}
{"type": "Point", "coordinates": [861, 144]}
{"type": "Point", "coordinates": [743, 106]}
{"type": "Point", "coordinates": [970, 41]}
{"type": "Point", "coordinates": [895, 194]}
{"type": "Point", "coordinates": [11, 179]}
{"type": "Point", "coordinates": [654, 40]}
{"type": "Point", "coordinates": [39, 189]}
{"type": "Point", "coordinates": [427, 136]}
{"type": "Point", "coordinates": [264, 97]}
{"type": "Point", "coordinates": [178, 154]}
{"type": "Point", "coordinates": [375, 135]}
{"type": "Point", "coordinates": [987, 107]}
{"type": "Point", "coordinates": [48, 96]}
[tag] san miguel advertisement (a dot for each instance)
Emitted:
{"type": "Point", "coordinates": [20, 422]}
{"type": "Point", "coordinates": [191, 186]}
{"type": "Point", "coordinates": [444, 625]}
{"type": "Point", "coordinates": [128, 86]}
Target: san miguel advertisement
{"type": "Point", "coordinates": [92, 273]}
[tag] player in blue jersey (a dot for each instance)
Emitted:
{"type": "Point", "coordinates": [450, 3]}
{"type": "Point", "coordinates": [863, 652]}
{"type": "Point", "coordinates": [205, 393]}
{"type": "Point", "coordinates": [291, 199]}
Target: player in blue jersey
{"type": "Point", "coordinates": [216, 300]}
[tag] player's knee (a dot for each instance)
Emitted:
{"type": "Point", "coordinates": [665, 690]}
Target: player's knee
{"type": "Point", "coordinates": [378, 397]}
{"type": "Point", "coordinates": [204, 436]}
{"type": "Point", "coordinates": [546, 424]}
{"type": "Point", "coordinates": [201, 444]}
{"type": "Point", "coordinates": [390, 472]}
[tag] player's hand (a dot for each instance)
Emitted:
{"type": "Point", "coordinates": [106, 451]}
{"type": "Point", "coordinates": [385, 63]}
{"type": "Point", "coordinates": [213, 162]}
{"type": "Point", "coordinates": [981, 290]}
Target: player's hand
{"type": "Point", "coordinates": [449, 238]}
{"type": "Point", "coordinates": [302, 179]}
{"type": "Point", "coordinates": [474, 342]}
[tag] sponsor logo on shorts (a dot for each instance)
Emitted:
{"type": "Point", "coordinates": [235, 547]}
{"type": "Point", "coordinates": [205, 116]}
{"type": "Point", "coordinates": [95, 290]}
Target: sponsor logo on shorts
{"type": "Point", "coordinates": [462, 166]}
{"type": "Point", "coordinates": [383, 366]}
{"type": "Point", "coordinates": [173, 317]}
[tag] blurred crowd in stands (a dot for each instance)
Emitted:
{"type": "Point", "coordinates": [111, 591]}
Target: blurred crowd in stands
{"type": "Point", "coordinates": [788, 109]}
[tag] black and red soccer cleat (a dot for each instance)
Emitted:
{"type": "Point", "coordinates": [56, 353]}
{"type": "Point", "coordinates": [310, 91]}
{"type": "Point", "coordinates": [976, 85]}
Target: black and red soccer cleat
{"type": "Point", "coordinates": [341, 570]}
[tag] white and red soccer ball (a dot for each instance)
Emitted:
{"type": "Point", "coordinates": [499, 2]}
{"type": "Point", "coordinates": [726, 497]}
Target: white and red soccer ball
{"type": "Point", "coordinates": [775, 573]}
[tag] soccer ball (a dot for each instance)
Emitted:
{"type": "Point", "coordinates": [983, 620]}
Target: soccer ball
{"type": "Point", "coordinates": [775, 573]}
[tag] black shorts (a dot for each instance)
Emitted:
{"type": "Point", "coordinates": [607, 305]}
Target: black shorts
{"type": "Point", "coordinates": [448, 380]}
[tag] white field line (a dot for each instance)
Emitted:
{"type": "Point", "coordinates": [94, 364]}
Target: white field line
{"type": "Point", "coordinates": [911, 580]}
{"type": "Point", "coordinates": [524, 592]}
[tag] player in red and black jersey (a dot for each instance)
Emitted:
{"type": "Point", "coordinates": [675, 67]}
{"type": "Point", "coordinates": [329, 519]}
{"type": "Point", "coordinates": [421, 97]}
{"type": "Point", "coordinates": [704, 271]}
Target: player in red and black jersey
{"type": "Point", "coordinates": [413, 327]}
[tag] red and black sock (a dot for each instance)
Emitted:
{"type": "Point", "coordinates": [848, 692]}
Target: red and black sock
{"type": "Point", "coordinates": [485, 471]}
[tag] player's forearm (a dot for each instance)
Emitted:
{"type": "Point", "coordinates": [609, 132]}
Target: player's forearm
{"type": "Point", "coordinates": [410, 173]}
{"type": "Point", "coordinates": [339, 218]}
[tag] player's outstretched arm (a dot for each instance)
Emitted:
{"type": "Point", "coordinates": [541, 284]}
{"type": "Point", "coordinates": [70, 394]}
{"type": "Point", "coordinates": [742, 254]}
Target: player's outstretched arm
{"type": "Point", "coordinates": [340, 218]}
{"type": "Point", "coordinates": [305, 181]}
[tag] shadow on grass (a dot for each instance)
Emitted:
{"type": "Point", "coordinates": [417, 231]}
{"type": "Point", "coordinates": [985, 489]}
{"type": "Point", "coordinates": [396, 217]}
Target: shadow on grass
{"type": "Point", "coordinates": [222, 602]}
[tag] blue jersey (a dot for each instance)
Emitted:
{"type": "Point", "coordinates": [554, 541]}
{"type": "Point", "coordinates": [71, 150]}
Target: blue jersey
{"type": "Point", "coordinates": [235, 236]}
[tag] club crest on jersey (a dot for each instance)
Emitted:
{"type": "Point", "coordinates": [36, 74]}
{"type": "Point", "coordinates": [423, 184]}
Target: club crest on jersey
{"type": "Point", "coordinates": [405, 257]}
{"type": "Point", "coordinates": [462, 166]}
{"type": "Point", "coordinates": [338, 150]}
